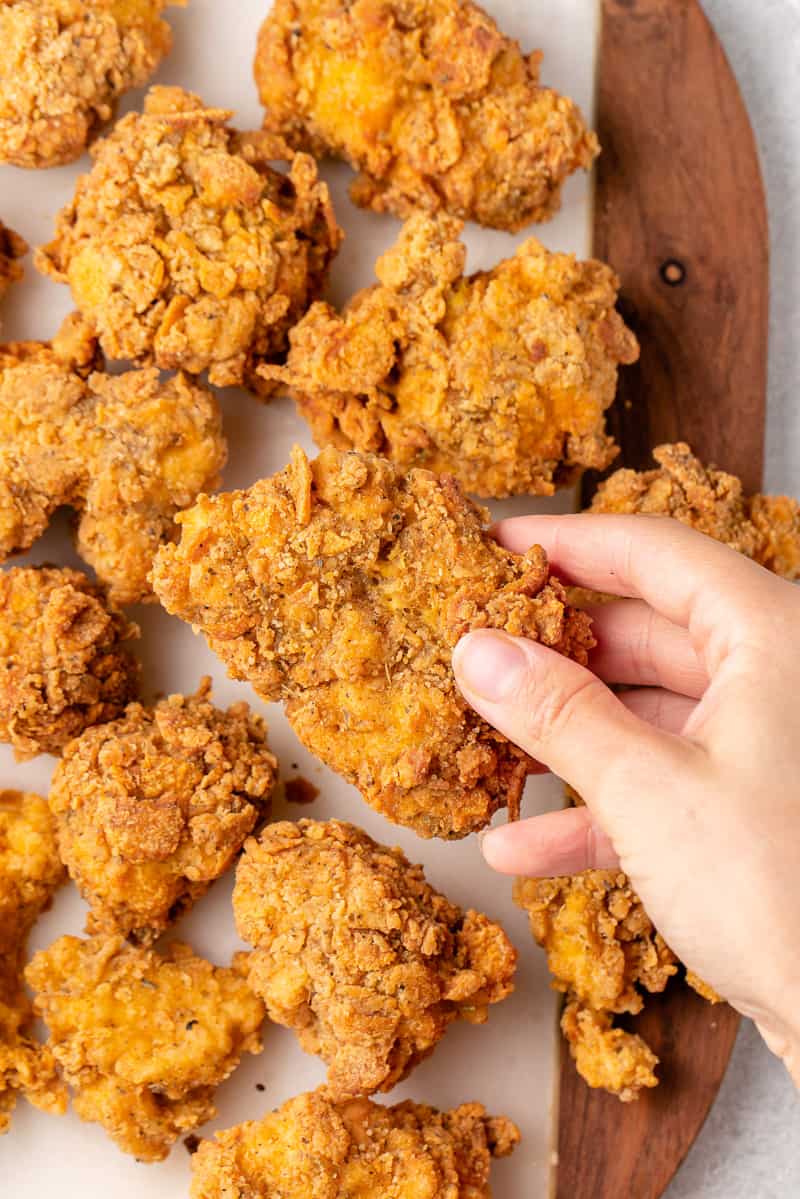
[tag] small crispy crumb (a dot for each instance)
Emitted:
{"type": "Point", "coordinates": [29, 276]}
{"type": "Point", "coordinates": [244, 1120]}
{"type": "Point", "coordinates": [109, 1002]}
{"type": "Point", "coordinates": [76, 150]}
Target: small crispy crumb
{"type": "Point", "coordinates": [316, 1147]}
{"type": "Point", "coordinates": [116, 1015]}
{"type": "Point", "coordinates": [63, 66]}
{"type": "Point", "coordinates": [501, 378]}
{"type": "Point", "coordinates": [183, 247]}
{"type": "Point", "coordinates": [428, 100]}
{"type": "Point", "coordinates": [126, 451]}
{"type": "Point", "coordinates": [63, 662]}
{"type": "Point", "coordinates": [357, 953]}
{"type": "Point", "coordinates": [191, 1143]}
{"type": "Point", "coordinates": [12, 248]}
{"type": "Point", "coordinates": [342, 586]}
{"type": "Point", "coordinates": [150, 809]}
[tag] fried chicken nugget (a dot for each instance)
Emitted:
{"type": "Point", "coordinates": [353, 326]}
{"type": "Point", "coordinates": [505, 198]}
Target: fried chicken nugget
{"type": "Point", "coordinates": [765, 528]}
{"type": "Point", "coordinates": [314, 1146]}
{"type": "Point", "coordinates": [12, 248]}
{"type": "Point", "coordinates": [341, 586]}
{"type": "Point", "coordinates": [428, 100]}
{"type": "Point", "coordinates": [63, 662]}
{"type": "Point", "coordinates": [499, 378]}
{"type": "Point", "coordinates": [184, 248]}
{"type": "Point", "coordinates": [143, 1038]}
{"type": "Point", "coordinates": [150, 809]}
{"type": "Point", "coordinates": [126, 451]}
{"type": "Point", "coordinates": [63, 66]}
{"type": "Point", "coordinates": [30, 874]}
{"type": "Point", "coordinates": [358, 954]}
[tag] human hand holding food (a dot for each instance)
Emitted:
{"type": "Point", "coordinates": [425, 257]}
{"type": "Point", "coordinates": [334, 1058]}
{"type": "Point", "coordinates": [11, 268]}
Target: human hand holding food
{"type": "Point", "coordinates": [690, 780]}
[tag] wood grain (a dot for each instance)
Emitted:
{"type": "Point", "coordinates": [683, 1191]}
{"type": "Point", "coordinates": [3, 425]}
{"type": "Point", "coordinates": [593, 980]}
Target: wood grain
{"type": "Point", "coordinates": [680, 213]}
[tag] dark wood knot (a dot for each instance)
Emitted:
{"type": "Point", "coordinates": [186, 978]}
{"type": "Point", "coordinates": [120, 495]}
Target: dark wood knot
{"type": "Point", "coordinates": [673, 272]}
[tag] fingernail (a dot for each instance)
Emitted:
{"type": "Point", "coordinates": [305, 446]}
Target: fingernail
{"type": "Point", "coordinates": [490, 665]}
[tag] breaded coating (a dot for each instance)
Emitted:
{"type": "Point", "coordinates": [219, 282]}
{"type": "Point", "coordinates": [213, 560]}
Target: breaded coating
{"type": "Point", "coordinates": [63, 66]}
{"type": "Point", "coordinates": [143, 1038]}
{"type": "Point", "coordinates": [316, 1148]}
{"type": "Point", "coordinates": [30, 873]}
{"type": "Point", "coordinates": [12, 248]}
{"type": "Point", "coordinates": [125, 451]}
{"type": "Point", "coordinates": [500, 378]}
{"type": "Point", "coordinates": [185, 249]}
{"type": "Point", "coordinates": [608, 1058]}
{"type": "Point", "coordinates": [358, 954]}
{"type": "Point", "coordinates": [428, 100]}
{"type": "Point", "coordinates": [765, 528]}
{"type": "Point", "coordinates": [341, 586]}
{"type": "Point", "coordinates": [63, 662]}
{"type": "Point", "coordinates": [150, 809]}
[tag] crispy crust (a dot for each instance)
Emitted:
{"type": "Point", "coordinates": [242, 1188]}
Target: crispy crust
{"type": "Point", "coordinates": [428, 99]}
{"type": "Point", "coordinates": [342, 586]}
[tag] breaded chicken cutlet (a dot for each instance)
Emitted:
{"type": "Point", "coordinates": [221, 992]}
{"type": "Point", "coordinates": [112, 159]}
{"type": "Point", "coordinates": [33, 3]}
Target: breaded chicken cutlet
{"type": "Point", "coordinates": [433, 105]}
{"type": "Point", "coordinates": [30, 874]}
{"type": "Point", "coordinates": [143, 1038]}
{"type": "Point", "coordinates": [603, 953]}
{"type": "Point", "coordinates": [64, 664]}
{"type": "Point", "coordinates": [12, 248]}
{"type": "Point", "coordinates": [63, 66]}
{"type": "Point", "coordinates": [150, 809]}
{"type": "Point", "coordinates": [341, 587]}
{"type": "Point", "coordinates": [183, 248]}
{"type": "Point", "coordinates": [313, 1146]}
{"type": "Point", "coordinates": [125, 451]}
{"type": "Point", "coordinates": [357, 953]}
{"type": "Point", "coordinates": [765, 528]}
{"type": "Point", "coordinates": [501, 378]}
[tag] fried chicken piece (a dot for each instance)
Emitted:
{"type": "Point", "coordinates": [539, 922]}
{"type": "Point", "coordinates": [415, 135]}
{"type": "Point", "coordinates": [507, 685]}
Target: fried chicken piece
{"type": "Point", "coordinates": [30, 874]}
{"type": "Point", "coordinates": [608, 1058]}
{"type": "Point", "coordinates": [12, 248]}
{"type": "Point", "coordinates": [143, 1038]}
{"type": "Point", "coordinates": [314, 1146]}
{"type": "Point", "coordinates": [63, 662]}
{"type": "Point", "coordinates": [765, 528]}
{"type": "Point", "coordinates": [126, 451]}
{"type": "Point", "coordinates": [499, 378]}
{"type": "Point", "coordinates": [358, 954]}
{"type": "Point", "coordinates": [428, 100]}
{"type": "Point", "coordinates": [63, 66]}
{"type": "Point", "coordinates": [184, 248]}
{"type": "Point", "coordinates": [150, 809]}
{"type": "Point", "coordinates": [341, 586]}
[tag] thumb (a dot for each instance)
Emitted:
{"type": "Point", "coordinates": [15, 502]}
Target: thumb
{"type": "Point", "coordinates": [566, 718]}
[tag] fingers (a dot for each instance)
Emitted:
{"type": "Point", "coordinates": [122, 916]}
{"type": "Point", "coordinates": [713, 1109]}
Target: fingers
{"type": "Point", "coordinates": [558, 843]}
{"type": "Point", "coordinates": [661, 708]}
{"type": "Point", "coordinates": [559, 712]}
{"type": "Point", "coordinates": [638, 647]}
{"type": "Point", "coordinates": [683, 574]}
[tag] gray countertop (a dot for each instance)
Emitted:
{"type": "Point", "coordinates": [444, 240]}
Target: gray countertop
{"type": "Point", "coordinates": [750, 1146]}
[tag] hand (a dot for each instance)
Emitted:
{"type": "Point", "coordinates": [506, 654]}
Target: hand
{"type": "Point", "coordinates": [692, 782]}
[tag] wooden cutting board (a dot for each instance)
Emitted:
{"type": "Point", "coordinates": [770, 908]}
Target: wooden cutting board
{"type": "Point", "coordinates": [680, 212]}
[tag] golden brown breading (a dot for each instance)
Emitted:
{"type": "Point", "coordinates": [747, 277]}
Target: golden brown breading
{"type": "Point", "coordinates": [30, 873]}
{"type": "Point", "coordinates": [358, 954]}
{"type": "Point", "coordinates": [143, 1038]}
{"type": "Point", "coordinates": [341, 586]}
{"type": "Point", "coordinates": [184, 248]}
{"type": "Point", "coordinates": [12, 248]}
{"type": "Point", "coordinates": [499, 378]}
{"type": "Point", "coordinates": [763, 527]}
{"type": "Point", "coordinates": [428, 99]}
{"type": "Point", "coordinates": [607, 1057]}
{"type": "Point", "coordinates": [63, 662]}
{"type": "Point", "coordinates": [63, 66]}
{"type": "Point", "coordinates": [126, 451]}
{"type": "Point", "coordinates": [152, 808]}
{"type": "Point", "coordinates": [315, 1147]}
